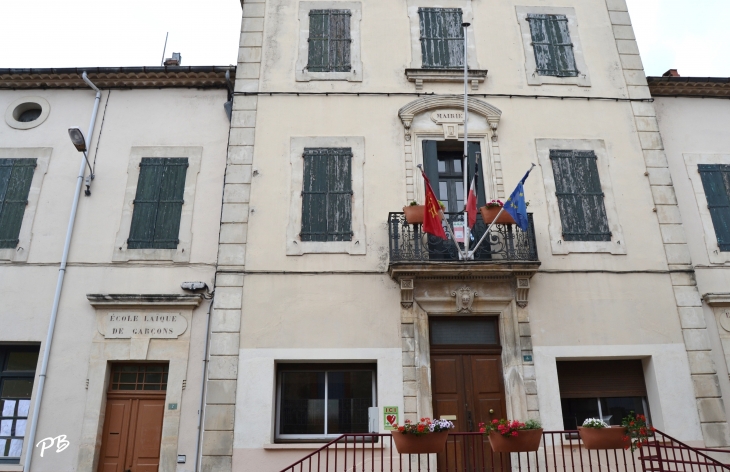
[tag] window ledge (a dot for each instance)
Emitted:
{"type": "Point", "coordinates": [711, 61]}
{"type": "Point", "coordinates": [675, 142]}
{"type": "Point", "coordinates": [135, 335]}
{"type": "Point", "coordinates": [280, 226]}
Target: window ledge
{"type": "Point", "coordinates": [11, 467]}
{"type": "Point", "coordinates": [314, 446]}
{"type": "Point", "coordinates": [419, 76]}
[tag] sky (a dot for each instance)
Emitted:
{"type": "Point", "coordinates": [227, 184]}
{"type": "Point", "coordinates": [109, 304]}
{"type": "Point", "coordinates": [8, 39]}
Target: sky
{"type": "Point", "coordinates": [688, 35]}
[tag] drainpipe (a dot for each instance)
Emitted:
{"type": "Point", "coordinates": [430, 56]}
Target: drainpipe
{"type": "Point", "coordinates": [59, 285]}
{"type": "Point", "coordinates": [203, 389]}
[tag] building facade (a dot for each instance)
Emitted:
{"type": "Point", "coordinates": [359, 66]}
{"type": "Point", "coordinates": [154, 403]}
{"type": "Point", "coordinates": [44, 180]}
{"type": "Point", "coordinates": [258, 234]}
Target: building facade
{"type": "Point", "coordinates": [125, 370]}
{"type": "Point", "coordinates": [329, 303]}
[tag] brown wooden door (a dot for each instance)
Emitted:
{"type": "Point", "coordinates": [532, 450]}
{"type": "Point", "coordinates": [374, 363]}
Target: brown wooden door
{"type": "Point", "coordinates": [471, 388]}
{"type": "Point", "coordinates": [135, 410]}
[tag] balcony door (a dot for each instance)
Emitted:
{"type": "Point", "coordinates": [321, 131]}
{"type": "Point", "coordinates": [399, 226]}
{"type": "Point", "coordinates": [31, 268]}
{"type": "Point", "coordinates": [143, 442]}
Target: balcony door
{"type": "Point", "coordinates": [467, 387]}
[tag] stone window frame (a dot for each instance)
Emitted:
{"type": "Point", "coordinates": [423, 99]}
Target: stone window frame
{"type": "Point", "coordinates": [691, 161]}
{"type": "Point", "coordinates": [616, 245]}
{"type": "Point", "coordinates": [301, 72]}
{"type": "Point", "coordinates": [42, 156]}
{"type": "Point", "coordinates": [583, 78]}
{"type": "Point", "coordinates": [182, 253]}
{"type": "Point", "coordinates": [294, 244]}
{"type": "Point", "coordinates": [467, 16]}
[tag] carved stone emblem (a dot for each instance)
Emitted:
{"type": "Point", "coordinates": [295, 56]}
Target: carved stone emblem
{"type": "Point", "coordinates": [464, 298]}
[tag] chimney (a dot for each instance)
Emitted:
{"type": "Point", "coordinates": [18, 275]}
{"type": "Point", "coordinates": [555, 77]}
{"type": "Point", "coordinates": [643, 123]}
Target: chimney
{"type": "Point", "coordinates": [671, 73]}
{"type": "Point", "coordinates": [175, 60]}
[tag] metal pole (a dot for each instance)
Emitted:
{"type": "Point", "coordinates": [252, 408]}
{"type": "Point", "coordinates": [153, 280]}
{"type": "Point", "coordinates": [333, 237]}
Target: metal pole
{"type": "Point", "coordinates": [203, 388]}
{"type": "Point", "coordinates": [59, 286]}
{"type": "Point", "coordinates": [465, 165]}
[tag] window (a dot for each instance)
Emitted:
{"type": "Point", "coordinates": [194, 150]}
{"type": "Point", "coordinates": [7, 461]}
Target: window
{"type": "Point", "coordinates": [716, 183]}
{"type": "Point", "coordinates": [580, 198]}
{"type": "Point", "coordinates": [138, 377]}
{"type": "Point", "coordinates": [15, 178]}
{"type": "Point", "coordinates": [158, 203]}
{"type": "Point", "coordinates": [552, 46]}
{"type": "Point", "coordinates": [316, 401]}
{"type": "Point", "coordinates": [329, 41]}
{"type": "Point", "coordinates": [442, 38]}
{"type": "Point", "coordinates": [601, 389]}
{"type": "Point", "coordinates": [17, 371]}
{"type": "Point", "coordinates": [327, 194]}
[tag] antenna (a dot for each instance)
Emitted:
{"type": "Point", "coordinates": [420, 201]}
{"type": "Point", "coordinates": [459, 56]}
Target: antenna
{"type": "Point", "coordinates": [163, 50]}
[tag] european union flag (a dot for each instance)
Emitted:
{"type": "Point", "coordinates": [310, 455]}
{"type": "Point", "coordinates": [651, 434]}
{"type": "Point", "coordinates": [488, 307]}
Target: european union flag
{"type": "Point", "coordinates": [515, 204]}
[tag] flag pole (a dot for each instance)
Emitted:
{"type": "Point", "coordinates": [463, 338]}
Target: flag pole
{"type": "Point", "coordinates": [465, 165]}
{"type": "Point", "coordinates": [491, 224]}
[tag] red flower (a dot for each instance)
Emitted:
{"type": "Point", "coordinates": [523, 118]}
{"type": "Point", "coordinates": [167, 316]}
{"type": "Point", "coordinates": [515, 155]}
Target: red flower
{"type": "Point", "coordinates": [401, 428]}
{"type": "Point", "coordinates": [420, 428]}
{"type": "Point", "coordinates": [514, 433]}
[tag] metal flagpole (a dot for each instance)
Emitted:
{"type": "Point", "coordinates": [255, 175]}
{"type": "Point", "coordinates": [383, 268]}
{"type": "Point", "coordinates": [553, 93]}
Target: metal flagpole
{"type": "Point", "coordinates": [465, 165]}
{"type": "Point", "coordinates": [491, 224]}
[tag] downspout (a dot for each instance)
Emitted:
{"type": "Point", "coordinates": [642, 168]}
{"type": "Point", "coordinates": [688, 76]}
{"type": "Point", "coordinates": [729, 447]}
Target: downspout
{"type": "Point", "coordinates": [59, 284]}
{"type": "Point", "coordinates": [203, 389]}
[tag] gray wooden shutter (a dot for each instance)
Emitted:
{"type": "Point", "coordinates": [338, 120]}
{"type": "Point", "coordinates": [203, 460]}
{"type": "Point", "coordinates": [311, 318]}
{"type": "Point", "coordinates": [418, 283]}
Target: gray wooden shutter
{"type": "Point", "coordinates": [552, 45]}
{"type": "Point", "coordinates": [442, 38]}
{"type": "Point", "coordinates": [580, 198]}
{"type": "Point", "coordinates": [716, 182]}
{"type": "Point", "coordinates": [327, 195]}
{"type": "Point", "coordinates": [15, 178]}
{"type": "Point", "coordinates": [158, 204]}
{"type": "Point", "coordinates": [472, 150]}
{"type": "Point", "coordinates": [329, 41]}
{"type": "Point", "coordinates": [431, 165]}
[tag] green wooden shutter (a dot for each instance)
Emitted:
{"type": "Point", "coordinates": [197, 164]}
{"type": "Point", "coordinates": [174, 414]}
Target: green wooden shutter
{"type": "Point", "coordinates": [329, 41]}
{"type": "Point", "coordinates": [158, 203]}
{"type": "Point", "coordinates": [472, 150]}
{"type": "Point", "coordinates": [327, 195]}
{"type": "Point", "coordinates": [431, 165]}
{"type": "Point", "coordinates": [552, 45]}
{"type": "Point", "coordinates": [442, 38]}
{"type": "Point", "coordinates": [15, 178]}
{"type": "Point", "coordinates": [580, 198]}
{"type": "Point", "coordinates": [716, 182]}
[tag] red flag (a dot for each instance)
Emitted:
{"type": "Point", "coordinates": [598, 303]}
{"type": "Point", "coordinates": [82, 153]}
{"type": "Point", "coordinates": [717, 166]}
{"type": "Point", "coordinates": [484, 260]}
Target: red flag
{"type": "Point", "coordinates": [432, 213]}
{"type": "Point", "coordinates": [471, 205]}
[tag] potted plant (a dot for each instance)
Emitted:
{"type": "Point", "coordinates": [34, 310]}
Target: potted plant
{"type": "Point", "coordinates": [597, 434]}
{"type": "Point", "coordinates": [414, 213]}
{"type": "Point", "coordinates": [490, 210]}
{"type": "Point", "coordinates": [637, 431]}
{"type": "Point", "coordinates": [424, 437]}
{"type": "Point", "coordinates": [513, 436]}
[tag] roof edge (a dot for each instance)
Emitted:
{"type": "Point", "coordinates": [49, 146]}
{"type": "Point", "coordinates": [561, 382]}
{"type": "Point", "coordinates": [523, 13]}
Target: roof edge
{"type": "Point", "coordinates": [700, 87]}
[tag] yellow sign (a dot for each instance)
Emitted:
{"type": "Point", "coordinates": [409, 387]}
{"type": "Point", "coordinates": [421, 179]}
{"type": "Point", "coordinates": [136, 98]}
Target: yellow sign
{"type": "Point", "coordinates": [390, 418]}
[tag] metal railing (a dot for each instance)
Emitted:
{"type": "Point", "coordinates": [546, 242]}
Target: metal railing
{"type": "Point", "coordinates": [666, 454]}
{"type": "Point", "coordinates": [505, 243]}
{"type": "Point", "coordinates": [560, 451]}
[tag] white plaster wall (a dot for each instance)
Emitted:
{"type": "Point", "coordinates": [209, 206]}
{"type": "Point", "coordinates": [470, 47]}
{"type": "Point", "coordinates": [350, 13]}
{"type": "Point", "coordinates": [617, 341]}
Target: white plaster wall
{"type": "Point", "coordinates": [164, 117]}
{"type": "Point", "coordinates": [698, 126]}
{"type": "Point", "coordinates": [666, 370]}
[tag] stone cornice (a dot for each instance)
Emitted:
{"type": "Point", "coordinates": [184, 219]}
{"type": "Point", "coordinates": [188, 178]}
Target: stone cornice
{"type": "Point", "coordinates": [143, 299]}
{"type": "Point", "coordinates": [707, 87]}
{"type": "Point", "coordinates": [717, 299]}
{"type": "Point", "coordinates": [213, 77]}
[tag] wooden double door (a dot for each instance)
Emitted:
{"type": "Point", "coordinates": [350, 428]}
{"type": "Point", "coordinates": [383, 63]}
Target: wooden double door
{"type": "Point", "coordinates": [467, 389]}
{"type": "Point", "coordinates": [135, 410]}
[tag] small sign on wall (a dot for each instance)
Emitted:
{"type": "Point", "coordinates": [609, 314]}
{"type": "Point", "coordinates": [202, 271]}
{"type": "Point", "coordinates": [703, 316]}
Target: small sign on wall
{"type": "Point", "coordinates": [390, 418]}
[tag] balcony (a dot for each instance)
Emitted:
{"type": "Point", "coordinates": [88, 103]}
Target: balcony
{"type": "Point", "coordinates": [504, 244]}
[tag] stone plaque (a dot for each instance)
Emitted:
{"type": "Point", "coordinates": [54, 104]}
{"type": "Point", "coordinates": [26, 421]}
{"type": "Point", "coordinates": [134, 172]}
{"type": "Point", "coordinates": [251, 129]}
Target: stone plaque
{"type": "Point", "coordinates": [725, 319]}
{"type": "Point", "coordinates": [448, 116]}
{"type": "Point", "coordinates": [127, 325]}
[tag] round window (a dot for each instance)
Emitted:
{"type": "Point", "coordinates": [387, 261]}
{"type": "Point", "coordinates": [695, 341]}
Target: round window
{"type": "Point", "coordinates": [27, 112]}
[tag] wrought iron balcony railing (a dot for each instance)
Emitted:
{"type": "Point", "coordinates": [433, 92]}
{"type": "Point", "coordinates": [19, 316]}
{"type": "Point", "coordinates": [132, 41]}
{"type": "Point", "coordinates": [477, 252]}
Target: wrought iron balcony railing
{"type": "Point", "coordinates": [504, 243]}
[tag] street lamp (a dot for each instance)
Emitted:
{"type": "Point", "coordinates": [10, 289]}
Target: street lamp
{"type": "Point", "coordinates": [78, 140]}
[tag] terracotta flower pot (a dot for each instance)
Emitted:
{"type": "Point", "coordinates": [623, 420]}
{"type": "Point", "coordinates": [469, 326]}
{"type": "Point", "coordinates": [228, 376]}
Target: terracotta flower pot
{"type": "Point", "coordinates": [430, 443]}
{"type": "Point", "coordinates": [488, 215]}
{"type": "Point", "coordinates": [414, 213]}
{"type": "Point", "coordinates": [526, 440]}
{"type": "Point", "coordinates": [603, 438]}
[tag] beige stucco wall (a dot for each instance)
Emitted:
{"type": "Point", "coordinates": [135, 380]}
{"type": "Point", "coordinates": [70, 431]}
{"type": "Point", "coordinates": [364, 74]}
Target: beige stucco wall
{"type": "Point", "coordinates": [127, 118]}
{"type": "Point", "coordinates": [316, 306]}
{"type": "Point", "coordinates": [692, 126]}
